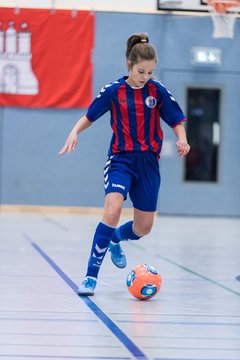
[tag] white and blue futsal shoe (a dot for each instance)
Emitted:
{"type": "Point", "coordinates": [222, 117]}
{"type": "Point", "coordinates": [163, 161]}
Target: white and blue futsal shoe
{"type": "Point", "coordinates": [87, 287]}
{"type": "Point", "coordinates": [117, 255]}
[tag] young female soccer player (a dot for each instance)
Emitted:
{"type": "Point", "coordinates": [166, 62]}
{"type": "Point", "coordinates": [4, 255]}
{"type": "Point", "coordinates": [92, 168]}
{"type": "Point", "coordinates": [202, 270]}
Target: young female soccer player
{"type": "Point", "coordinates": [136, 102]}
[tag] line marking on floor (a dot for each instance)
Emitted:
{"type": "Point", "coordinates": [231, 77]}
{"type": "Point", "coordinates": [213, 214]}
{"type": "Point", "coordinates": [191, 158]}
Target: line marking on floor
{"type": "Point", "coordinates": [190, 271]}
{"type": "Point", "coordinates": [132, 348]}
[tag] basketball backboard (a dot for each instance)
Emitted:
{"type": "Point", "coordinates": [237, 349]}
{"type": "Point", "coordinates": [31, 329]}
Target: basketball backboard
{"type": "Point", "coordinates": [200, 6]}
{"type": "Point", "coordinates": [223, 13]}
{"type": "Point", "coordinates": [183, 5]}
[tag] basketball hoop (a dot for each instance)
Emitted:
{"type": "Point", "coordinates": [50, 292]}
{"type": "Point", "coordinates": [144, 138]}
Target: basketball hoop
{"type": "Point", "coordinates": [224, 14]}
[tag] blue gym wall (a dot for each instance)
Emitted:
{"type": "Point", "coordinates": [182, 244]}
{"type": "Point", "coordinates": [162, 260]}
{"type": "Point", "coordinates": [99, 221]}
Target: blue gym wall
{"type": "Point", "coordinates": [33, 174]}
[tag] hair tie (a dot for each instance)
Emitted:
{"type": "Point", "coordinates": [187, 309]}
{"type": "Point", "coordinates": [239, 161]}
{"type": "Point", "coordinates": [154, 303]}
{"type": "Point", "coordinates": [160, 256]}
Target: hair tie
{"type": "Point", "coordinates": [143, 40]}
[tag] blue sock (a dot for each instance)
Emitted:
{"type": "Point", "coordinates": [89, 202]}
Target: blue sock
{"type": "Point", "coordinates": [101, 240]}
{"type": "Point", "coordinates": [124, 232]}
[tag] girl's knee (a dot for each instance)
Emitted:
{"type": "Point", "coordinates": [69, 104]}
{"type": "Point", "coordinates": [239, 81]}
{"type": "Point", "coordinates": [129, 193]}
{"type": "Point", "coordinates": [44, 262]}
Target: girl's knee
{"type": "Point", "coordinates": [142, 229]}
{"type": "Point", "coordinates": [143, 222]}
{"type": "Point", "coordinates": [111, 215]}
{"type": "Point", "coordinates": [112, 209]}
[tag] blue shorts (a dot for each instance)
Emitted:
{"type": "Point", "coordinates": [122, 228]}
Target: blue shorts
{"type": "Point", "coordinates": [136, 173]}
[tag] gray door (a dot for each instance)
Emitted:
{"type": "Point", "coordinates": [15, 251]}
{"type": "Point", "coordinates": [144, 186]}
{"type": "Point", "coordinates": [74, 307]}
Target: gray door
{"type": "Point", "coordinates": [220, 197]}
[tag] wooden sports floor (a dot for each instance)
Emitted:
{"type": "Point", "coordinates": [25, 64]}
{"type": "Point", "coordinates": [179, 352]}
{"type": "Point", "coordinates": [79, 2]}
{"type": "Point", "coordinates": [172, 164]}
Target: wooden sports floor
{"type": "Point", "coordinates": [196, 315]}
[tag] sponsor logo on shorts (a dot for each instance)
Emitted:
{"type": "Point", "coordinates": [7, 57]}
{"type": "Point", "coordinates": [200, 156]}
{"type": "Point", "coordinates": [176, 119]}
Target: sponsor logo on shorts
{"type": "Point", "coordinates": [118, 186]}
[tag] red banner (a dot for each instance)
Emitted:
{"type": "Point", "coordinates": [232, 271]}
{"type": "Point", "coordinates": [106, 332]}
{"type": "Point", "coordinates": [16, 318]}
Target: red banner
{"type": "Point", "coordinates": [45, 58]}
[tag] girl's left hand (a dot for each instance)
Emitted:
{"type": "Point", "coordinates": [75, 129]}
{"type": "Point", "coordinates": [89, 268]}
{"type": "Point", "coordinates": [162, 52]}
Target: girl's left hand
{"type": "Point", "coordinates": [183, 148]}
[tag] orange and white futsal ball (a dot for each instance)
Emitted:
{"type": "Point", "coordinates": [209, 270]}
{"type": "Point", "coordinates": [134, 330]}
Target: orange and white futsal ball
{"type": "Point", "coordinates": [144, 281]}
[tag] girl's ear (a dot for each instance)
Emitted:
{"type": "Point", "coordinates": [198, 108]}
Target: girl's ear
{"type": "Point", "coordinates": [128, 64]}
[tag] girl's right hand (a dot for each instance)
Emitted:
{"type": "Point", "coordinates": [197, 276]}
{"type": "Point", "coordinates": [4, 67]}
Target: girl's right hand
{"type": "Point", "coordinates": [70, 144]}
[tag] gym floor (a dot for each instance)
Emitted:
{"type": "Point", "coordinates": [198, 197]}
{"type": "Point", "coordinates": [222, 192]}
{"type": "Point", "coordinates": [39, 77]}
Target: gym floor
{"type": "Point", "coordinates": [195, 316]}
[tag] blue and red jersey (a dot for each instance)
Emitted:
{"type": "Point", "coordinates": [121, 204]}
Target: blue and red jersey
{"type": "Point", "coordinates": [135, 114]}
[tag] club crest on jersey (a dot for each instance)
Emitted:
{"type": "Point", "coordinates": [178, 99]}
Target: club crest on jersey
{"type": "Point", "coordinates": [150, 101]}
